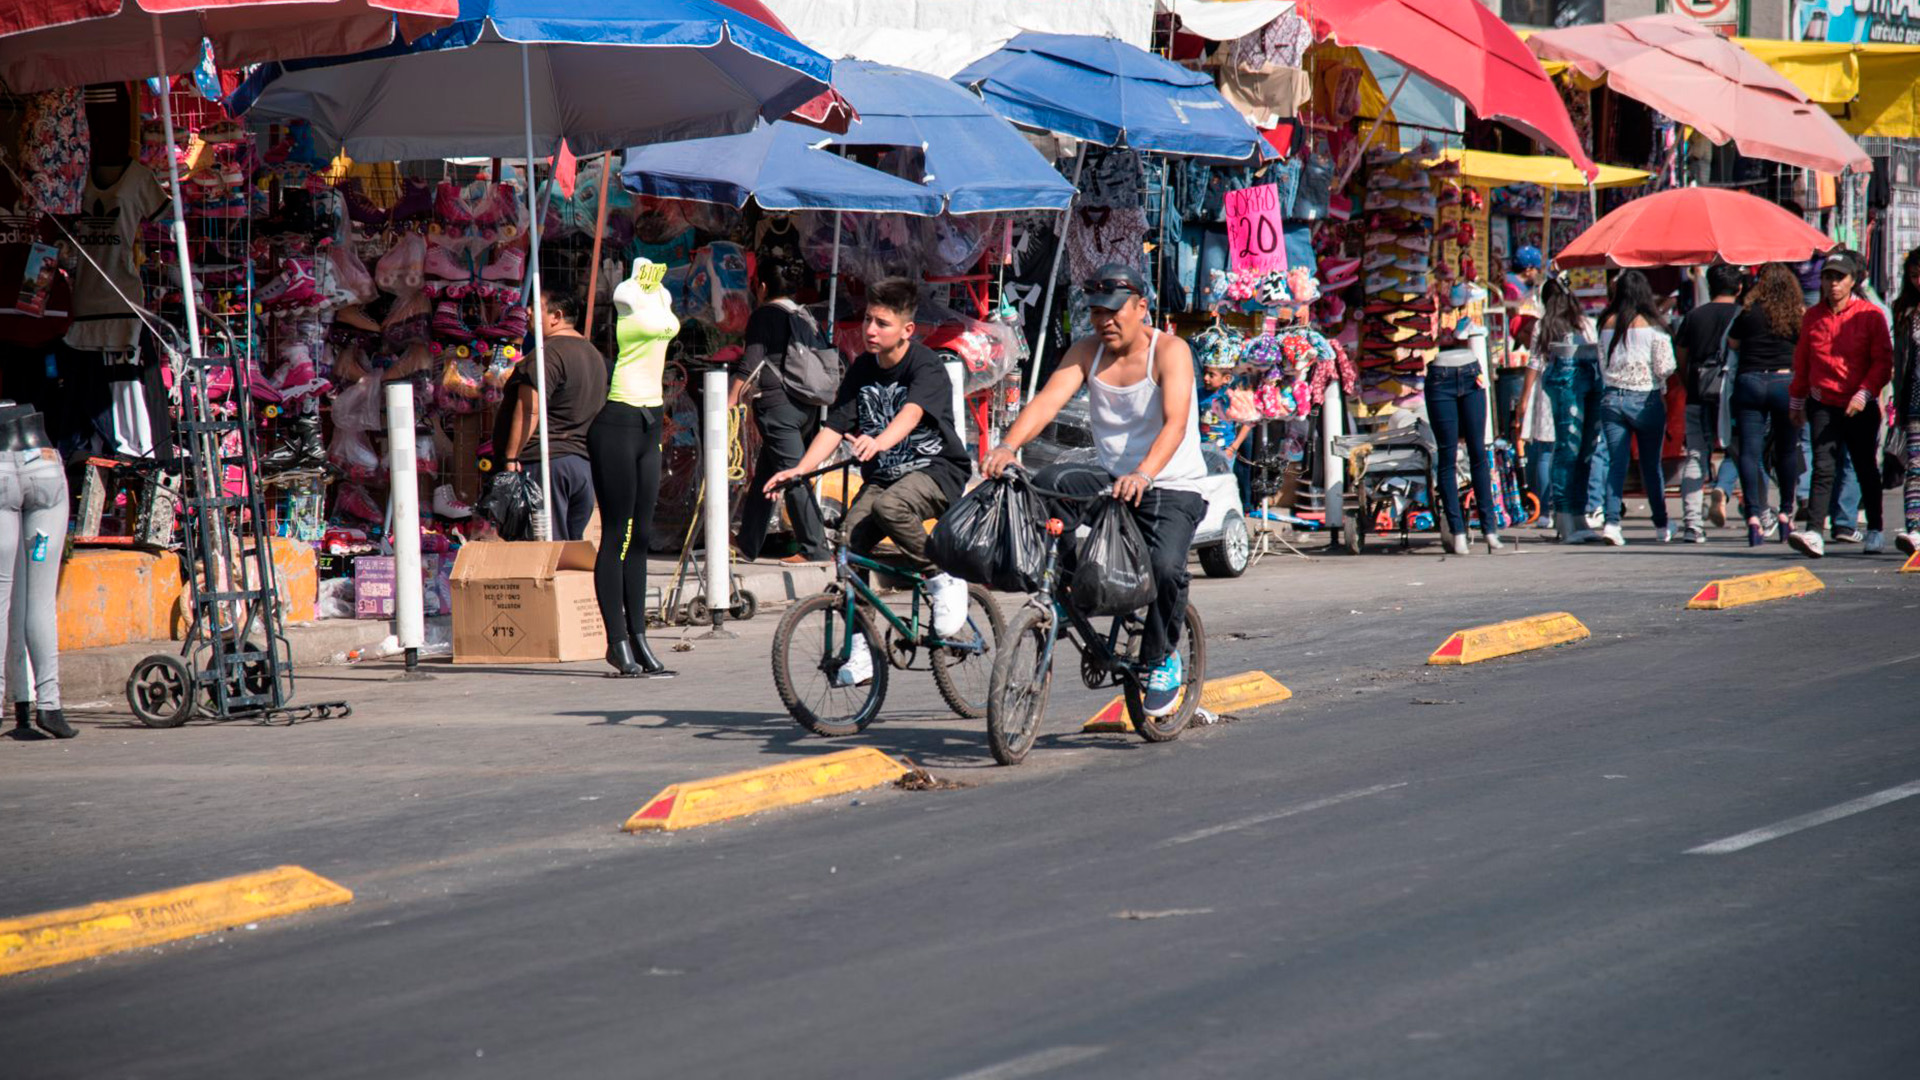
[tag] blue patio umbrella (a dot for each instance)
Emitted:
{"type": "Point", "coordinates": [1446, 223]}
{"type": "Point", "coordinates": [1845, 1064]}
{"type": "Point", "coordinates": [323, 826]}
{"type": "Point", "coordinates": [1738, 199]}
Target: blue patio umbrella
{"type": "Point", "coordinates": [777, 165]}
{"type": "Point", "coordinates": [1109, 92]}
{"type": "Point", "coordinates": [596, 74]}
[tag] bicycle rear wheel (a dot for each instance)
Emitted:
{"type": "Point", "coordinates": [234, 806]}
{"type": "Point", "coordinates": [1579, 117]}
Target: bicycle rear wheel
{"type": "Point", "coordinates": [965, 677]}
{"type": "Point", "coordinates": [806, 658]}
{"type": "Point", "coordinates": [1193, 647]}
{"type": "Point", "coordinates": [1022, 681]}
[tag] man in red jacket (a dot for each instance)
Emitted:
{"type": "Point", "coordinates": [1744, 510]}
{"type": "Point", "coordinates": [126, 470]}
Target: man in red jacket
{"type": "Point", "coordinates": [1843, 361]}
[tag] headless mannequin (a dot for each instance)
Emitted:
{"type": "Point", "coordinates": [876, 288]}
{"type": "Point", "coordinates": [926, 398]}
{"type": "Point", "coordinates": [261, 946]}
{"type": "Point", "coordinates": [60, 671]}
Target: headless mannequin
{"type": "Point", "coordinates": [33, 530]}
{"type": "Point", "coordinates": [623, 450]}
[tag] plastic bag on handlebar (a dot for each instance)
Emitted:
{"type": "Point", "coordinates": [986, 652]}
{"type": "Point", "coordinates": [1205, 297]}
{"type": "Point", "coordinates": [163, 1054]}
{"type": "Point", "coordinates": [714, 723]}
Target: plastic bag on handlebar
{"type": "Point", "coordinates": [991, 536]}
{"type": "Point", "coordinates": [1114, 571]}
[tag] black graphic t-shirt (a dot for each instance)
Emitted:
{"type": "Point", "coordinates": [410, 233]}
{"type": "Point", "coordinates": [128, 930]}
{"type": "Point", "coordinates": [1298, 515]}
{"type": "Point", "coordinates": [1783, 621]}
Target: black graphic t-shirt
{"type": "Point", "coordinates": [871, 396]}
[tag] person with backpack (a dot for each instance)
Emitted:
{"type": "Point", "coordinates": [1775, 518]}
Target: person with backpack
{"type": "Point", "coordinates": [779, 328]}
{"type": "Point", "coordinates": [1764, 335]}
{"type": "Point", "coordinates": [1700, 347]}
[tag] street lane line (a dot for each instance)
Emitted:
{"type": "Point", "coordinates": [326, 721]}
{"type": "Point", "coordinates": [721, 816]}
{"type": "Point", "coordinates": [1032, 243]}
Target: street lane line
{"type": "Point", "coordinates": [1035, 1063]}
{"type": "Point", "coordinates": [1262, 819]}
{"type": "Point", "coordinates": [1806, 821]}
{"type": "Point", "coordinates": [61, 937]}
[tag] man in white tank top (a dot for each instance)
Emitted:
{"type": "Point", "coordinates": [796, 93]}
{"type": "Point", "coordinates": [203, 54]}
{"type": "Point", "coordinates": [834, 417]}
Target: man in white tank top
{"type": "Point", "coordinates": [1146, 429]}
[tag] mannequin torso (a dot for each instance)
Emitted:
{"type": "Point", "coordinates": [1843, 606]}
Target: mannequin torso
{"type": "Point", "coordinates": [644, 325]}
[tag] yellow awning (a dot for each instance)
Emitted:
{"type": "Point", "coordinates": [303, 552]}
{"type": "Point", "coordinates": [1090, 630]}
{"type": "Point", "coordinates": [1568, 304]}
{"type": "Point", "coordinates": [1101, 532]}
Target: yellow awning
{"type": "Point", "coordinates": [1487, 169]}
{"type": "Point", "coordinates": [1869, 89]}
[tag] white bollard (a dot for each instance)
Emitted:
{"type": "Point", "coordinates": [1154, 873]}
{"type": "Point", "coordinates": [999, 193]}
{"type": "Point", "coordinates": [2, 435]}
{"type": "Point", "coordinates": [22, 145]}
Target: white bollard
{"type": "Point", "coordinates": [409, 603]}
{"type": "Point", "coordinates": [957, 371]}
{"type": "Point", "coordinates": [713, 461]}
{"type": "Point", "coordinates": [1333, 415]}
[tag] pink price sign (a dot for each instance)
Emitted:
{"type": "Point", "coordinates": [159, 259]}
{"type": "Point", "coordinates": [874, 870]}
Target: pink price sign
{"type": "Point", "coordinates": [1254, 234]}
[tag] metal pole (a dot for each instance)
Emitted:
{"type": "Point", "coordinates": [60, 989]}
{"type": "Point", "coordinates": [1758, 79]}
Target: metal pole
{"type": "Point", "coordinates": [542, 524]}
{"type": "Point", "coordinates": [1373, 129]}
{"type": "Point", "coordinates": [1059, 252]}
{"type": "Point", "coordinates": [179, 211]}
{"type": "Point", "coordinates": [833, 279]}
{"type": "Point", "coordinates": [599, 233]}
{"type": "Point", "coordinates": [409, 605]}
{"type": "Point", "coordinates": [713, 462]}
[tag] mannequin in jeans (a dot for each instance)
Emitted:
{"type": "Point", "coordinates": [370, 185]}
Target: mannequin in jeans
{"type": "Point", "coordinates": [33, 533]}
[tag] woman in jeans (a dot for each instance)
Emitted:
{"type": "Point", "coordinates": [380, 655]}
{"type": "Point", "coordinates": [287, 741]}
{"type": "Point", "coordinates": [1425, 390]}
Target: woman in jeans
{"type": "Point", "coordinates": [1564, 341]}
{"type": "Point", "coordinates": [1906, 390]}
{"type": "Point", "coordinates": [1456, 395]}
{"type": "Point", "coordinates": [1764, 335]}
{"type": "Point", "coordinates": [1636, 356]}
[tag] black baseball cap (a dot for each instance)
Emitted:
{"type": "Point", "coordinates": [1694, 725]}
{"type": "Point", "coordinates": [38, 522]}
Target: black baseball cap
{"type": "Point", "coordinates": [1113, 285]}
{"type": "Point", "coordinates": [1843, 261]}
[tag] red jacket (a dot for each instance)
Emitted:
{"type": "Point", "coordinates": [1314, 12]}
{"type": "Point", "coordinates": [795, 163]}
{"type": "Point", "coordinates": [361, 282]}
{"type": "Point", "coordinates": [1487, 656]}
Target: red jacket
{"type": "Point", "coordinates": [1842, 353]}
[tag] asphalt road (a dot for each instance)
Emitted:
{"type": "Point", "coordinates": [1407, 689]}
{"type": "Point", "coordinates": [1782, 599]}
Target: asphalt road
{"type": "Point", "coordinates": [1403, 872]}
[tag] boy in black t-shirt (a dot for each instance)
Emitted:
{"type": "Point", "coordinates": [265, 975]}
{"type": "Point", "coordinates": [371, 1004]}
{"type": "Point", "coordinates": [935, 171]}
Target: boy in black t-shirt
{"type": "Point", "coordinates": [895, 411]}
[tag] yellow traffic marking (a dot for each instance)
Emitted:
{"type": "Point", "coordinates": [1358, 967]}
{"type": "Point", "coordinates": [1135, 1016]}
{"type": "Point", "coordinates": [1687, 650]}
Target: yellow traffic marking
{"type": "Point", "coordinates": [1504, 639]}
{"type": "Point", "coordinates": [1755, 588]}
{"type": "Point", "coordinates": [1247, 690]}
{"type": "Point", "coordinates": [1912, 565]}
{"type": "Point", "coordinates": [61, 937]}
{"type": "Point", "coordinates": [790, 783]}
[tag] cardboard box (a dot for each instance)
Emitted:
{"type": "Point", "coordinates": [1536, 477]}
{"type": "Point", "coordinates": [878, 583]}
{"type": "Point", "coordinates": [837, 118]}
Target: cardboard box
{"type": "Point", "coordinates": [525, 602]}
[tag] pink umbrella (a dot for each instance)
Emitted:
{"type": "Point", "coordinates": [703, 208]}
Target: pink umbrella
{"type": "Point", "coordinates": [1709, 83]}
{"type": "Point", "coordinates": [1696, 226]}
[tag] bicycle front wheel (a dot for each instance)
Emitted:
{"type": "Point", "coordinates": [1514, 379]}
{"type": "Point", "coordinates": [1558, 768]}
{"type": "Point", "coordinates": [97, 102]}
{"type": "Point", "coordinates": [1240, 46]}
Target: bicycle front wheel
{"type": "Point", "coordinates": [1022, 680]}
{"type": "Point", "coordinates": [809, 653]}
{"type": "Point", "coordinates": [1193, 646]}
{"type": "Point", "coordinates": [964, 674]}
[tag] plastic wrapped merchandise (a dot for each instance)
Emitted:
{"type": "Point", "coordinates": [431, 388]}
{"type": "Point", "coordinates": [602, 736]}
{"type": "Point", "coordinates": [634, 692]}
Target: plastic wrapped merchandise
{"type": "Point", "coordinates": [510, 504]}
{"type": "Point", "coordinates": [1114, 572]}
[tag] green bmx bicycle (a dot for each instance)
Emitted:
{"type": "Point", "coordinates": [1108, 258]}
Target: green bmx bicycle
{"type": "Point", "coordinates": [814, 646]}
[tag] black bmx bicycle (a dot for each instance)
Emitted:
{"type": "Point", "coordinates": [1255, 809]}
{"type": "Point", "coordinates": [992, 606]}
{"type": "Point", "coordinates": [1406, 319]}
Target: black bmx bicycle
{"type": "Point", "coordinates": [815, 669]}
{"type": "Point", "coordinates": [1023, 671]}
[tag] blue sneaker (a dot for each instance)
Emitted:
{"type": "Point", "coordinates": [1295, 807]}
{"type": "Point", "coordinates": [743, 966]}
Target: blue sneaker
{"type": "Point", "coordinates": [1163, 686]}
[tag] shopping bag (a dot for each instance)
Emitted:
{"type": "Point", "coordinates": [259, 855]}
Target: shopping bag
{"type": "Point", "coordinates": [991, 536]}
{"type": "Point", "coordinates": [1114, 574]}
{"type": "Point", "coordinates": [511, 503]}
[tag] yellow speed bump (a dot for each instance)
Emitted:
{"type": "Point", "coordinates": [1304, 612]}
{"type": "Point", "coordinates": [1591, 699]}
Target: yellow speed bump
{"type": "Point", "coordinates": [61, 937]}
{"type": "Point", "coordinates": [1912, 565]}
{"type": "Point", "coordinates": [1755, 588]}
{"type": "Point", "coordinates": [1504, 639]}
{"type": "Point", "coordinates": [1247, 690]}
{"type": "Point", "coordinates": [703, 802]}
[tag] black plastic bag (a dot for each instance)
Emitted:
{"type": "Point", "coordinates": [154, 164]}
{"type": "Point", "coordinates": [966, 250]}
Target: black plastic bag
{"type": "Point", "coordinates": [1114, 572]}
{"type": "Point", "coordinates": [991, 536]}
{"type": "Point", "coordinates": [511, 503]}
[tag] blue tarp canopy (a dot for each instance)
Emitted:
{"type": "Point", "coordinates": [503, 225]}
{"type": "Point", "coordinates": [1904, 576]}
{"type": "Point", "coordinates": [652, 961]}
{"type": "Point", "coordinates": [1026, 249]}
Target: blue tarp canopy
{"type": "Point", "coordinates": [1106, 91]}
{"type": "Point", "coordinates": [775, 164]}
{"type": "Point", "coordinates": [604, 75]}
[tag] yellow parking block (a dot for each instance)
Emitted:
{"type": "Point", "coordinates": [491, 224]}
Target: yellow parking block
{"type": "Point", "coordinates": [1507, 638]}
{"type": "Point", "coordinates": [1755, 588]}
{"type": "Point", "coordinates": [1912, 565]}
{"type": "Point", "coordinates": [61, 937]}
{"type": "Point", "coordinates": [790, 783]}
{"type": "Point", "coordinates": [1247, 690]}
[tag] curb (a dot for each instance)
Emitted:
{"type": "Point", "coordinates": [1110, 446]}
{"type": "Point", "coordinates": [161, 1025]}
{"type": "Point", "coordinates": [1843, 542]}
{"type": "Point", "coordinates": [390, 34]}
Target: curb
{"type": "Point", "coordinates": [1755, 588]}
{"type": "Point", "coordinates": [61, 937]}
{"type": "Point", "coordinates": [790, 783]}
{"type": "Point", "coordinates": [1473, 645]}
{"type": "Point", "coordinates": [1247, 690]}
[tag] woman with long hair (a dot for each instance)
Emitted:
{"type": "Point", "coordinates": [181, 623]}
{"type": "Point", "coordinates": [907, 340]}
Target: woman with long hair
{"type": "Point", "coordinates": [1636, 356]}
{"type": "Point", "coordinates": [1906, 390]}
{"type": "Point", "coordinates": [786, 426]}
{"type": "Point", "coordinates": [1764, 335]}
{"type": "Point", "coordinates": [1563, 346]}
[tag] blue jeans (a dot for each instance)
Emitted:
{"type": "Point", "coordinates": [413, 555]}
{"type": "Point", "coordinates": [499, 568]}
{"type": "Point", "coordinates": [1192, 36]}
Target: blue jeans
{"type": "Point", "coordinates": [1573, 387]}
{"type": "Point", "coordinates": [1640, 415]}
{"type": "Point", "coordinates": [1457, 407]}
{"type": "Point", "coordinates": [1202, 249]}
{"type": "Point", "coordinates": [1844, 507]}
{"type": "Point", "coordinates": [1760, 403]}
{"type": "Point", "coordinates": [1540, 474]}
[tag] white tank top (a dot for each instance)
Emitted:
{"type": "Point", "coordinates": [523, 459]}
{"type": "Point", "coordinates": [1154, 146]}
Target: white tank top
{"type": "Point", "coordinates": [1127, 419]}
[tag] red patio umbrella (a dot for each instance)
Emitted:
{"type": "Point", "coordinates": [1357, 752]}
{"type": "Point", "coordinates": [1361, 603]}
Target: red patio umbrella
{"type": "Point", "coordinates": [828, 111]}
{"type": "Point", "coordinates": [1696, 226]}
{"type": "Point", "coordinates": [1466, 50]}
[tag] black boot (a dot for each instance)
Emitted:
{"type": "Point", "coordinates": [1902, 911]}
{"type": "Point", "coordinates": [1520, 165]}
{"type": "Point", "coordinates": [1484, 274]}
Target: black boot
{"type": "Point", "coordinates": [300, 447]}
{"type": "Point", "coordinates": [620, 655]}
{"type": "Point", "coordinates": [23, 729]}
{"type": "Point", "coordinates": [54, 724]}
{"type": "Point", "coordinates": [649, 663]}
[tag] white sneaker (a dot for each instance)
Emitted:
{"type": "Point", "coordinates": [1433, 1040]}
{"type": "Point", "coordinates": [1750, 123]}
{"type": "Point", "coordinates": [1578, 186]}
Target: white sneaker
{"type": "Point", "coordinates": [1611, 534]}
{"type": "Point", "coordinates": [858, 670]}
{"type": "Point", "coordinates": [1907, 542]}
{"type": "Point", "coordinates": [1493, 543]}
{"type": "Point", "coordinates": [1663, 534]}
{"type": "Point", "coordinates": [1876, 542]}
{"type": "Point", "coordinates": [1459, 543]}
{"type": "Point", "coordinates": [1808, 543]}
{"type": "Point", "coordinates": [448, 505]}
{"type": "Point", "coordinates": [949, 595]}
{"type": "Point", "coordinates": [1596, 519]}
